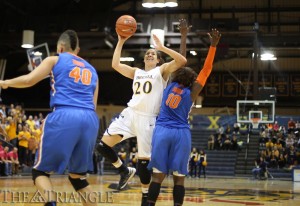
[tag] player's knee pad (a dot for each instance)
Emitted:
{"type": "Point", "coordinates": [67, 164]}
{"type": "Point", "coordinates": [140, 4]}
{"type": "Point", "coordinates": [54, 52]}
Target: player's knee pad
{"type": "Point", "coordinates": [37, 173]}
{"type": "Point", "coordinates": [78, 183]}
{"type": "Point", "coordinates": [144, 173]}
{"type": "Point", "coordinates": [107, 152]}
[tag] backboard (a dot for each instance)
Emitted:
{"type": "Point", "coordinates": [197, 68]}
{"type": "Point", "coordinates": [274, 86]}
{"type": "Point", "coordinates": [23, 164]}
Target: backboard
{"type": "Point", "coordinates": [255, 111]}
{"type": "Point", "coordinates": [36, 55]}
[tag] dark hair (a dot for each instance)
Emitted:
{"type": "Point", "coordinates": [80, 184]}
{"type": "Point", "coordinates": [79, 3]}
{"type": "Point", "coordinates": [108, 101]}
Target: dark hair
{"type": "Point", "coordinates": [185, 76]}
{"type": "Point", "coordinates": [159, 57]}
{"type": "Point", "coordinates": [70, 38]}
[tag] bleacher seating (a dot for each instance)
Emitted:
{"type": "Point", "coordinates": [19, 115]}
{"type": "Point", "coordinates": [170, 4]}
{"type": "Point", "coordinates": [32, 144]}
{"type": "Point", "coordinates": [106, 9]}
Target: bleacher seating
{"type": "Point", "coordinates": [220, 162]}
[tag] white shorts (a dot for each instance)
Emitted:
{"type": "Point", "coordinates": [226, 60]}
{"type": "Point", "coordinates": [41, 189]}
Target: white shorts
{"type": "Point", "coordinates": [133, 124]}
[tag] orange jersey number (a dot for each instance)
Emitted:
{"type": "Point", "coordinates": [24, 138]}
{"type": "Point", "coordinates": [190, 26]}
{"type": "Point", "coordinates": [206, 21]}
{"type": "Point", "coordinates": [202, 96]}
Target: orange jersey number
{"type": "Point", "coordinates": [84, 75]}
{"type": "Point", "coordinates": [173, 100]}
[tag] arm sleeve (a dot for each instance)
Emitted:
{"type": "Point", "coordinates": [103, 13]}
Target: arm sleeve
{"type": "Point", "coordinates": [206, 70]}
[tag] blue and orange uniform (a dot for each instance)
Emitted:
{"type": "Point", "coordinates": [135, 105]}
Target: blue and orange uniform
{"type": "Point", "coordinates": [171, 143]}
{"type": "Point", "coordinates": [172, 138]}
{"type": "Point", "coordinates": [73, 121]}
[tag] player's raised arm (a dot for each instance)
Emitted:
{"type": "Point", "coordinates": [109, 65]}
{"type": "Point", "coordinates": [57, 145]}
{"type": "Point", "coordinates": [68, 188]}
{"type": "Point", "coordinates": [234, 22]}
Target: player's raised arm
{"type": "Point", "coordinates": [177, 62]}
{"type": "Point", "coordinates": [214, 37]}
{"type": "Point", "coordinates": [123, 69]}
{"type": "Point", "coordinates": [184, 29]}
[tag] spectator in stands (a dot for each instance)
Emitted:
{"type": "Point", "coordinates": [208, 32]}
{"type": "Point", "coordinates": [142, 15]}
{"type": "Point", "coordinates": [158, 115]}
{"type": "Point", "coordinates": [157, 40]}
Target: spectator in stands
{"type": "Point", "coordinates": [236, 128]}
{"type": "Point", "coordinates": [11, 110]}
{"type": "Point", "coordinates": [218, 141]}
{"type": "Point", "coordinates": [30, 122]}
{"type": "Point", "coordinates": [227, 143]}
{"type": "Point", "coordinates": [278, 145]}
{"type": "Point", "coordinates": [276, 127]}
{"type": "Point", "coordinates": [36, 121]}
{"type": "Point", "coordinates": [260, 168]}
{"type": "Point", "coordinates": [41, 118]}
{"type": "Point", "coordinates": [122, 155]}
{"type": "Point", "coordinates": [234, 143]}
{"type": "Point", "coordinates": [263, 137]}
{"type": "Point", "coordinates": [202, 163]}
{"type": "Point", "coordinates": [291, 126]}
{"type": "Point", "coordinates": [13, 157]}
{"type": "Point", "coordinates": [221, 130]}
{"type": "Point", "coordinates": [5, 164]}
{"type": "Point", "coordinates": [211, 142]}
{"type": "Point", "coordinates": [297, 126]}
{"type": "Point", "coordinates": [11, 130]}
{"type": "Point", "coordinates": [193, 162]}
{"type": "Point", "coordinates": [33, 142]}
{"type": "Point", "coordinates": [291, 155]}
{"type": "Point", "coordinates": [1, 147]}
{"type": "Point", "coordinates": [3, 111]}
{"type": "Point", "coordinates": [269, 144]}
{"type": "Point", "coordinates": [133, 157]}
{"type": "Point", "coordinates": [289, 141]}
{"type": "Point", "coordinates": [23, 136]}
{"type": "Point", "coordinates": [273, 161]}
{"type": "Point", "coordinates": [228, 130]}
{"type": "Point", "coordinates": [281, 161]}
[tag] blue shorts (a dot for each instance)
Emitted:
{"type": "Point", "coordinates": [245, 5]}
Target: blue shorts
{"type": "Point", "coordinates": [171, 148]}
{"type": "Point", "coordinates": [68, 140]}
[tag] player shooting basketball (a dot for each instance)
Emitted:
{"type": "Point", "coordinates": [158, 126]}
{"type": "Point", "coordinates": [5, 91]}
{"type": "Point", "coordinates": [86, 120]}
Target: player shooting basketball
{"type": "Point", "coordinates": [138, 119]}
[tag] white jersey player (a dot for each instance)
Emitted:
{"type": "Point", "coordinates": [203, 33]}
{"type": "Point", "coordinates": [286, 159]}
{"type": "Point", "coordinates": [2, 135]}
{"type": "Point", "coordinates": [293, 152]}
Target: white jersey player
{"type": "Point", "coordinates": [138, 119]}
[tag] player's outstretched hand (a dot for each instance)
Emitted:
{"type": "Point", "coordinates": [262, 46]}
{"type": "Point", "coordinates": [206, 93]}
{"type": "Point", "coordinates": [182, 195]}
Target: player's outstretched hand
{"type": "Point", "coordinates": [184, 27]}
{"type": "Point", "coordinates": [157, 43]}
{"type": "Point", "coordinates": [214, 37]}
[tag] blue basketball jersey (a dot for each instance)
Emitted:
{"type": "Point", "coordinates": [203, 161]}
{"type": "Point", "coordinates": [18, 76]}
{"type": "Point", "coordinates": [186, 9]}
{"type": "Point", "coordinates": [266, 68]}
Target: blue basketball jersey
{"type": "Point", "coordinates": [175, 107]}
{"type": "Point", "coordinates": [73, 82]}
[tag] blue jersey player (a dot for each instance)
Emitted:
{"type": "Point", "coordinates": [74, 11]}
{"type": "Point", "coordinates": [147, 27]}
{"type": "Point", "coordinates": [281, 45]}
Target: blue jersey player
{"type": "Point", "coordinates": [171, 143]}
{"type": "Point", "coordinates": [70, 131]}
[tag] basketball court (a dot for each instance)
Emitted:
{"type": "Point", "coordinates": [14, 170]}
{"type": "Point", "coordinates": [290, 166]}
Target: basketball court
{"type": "Point", "coordinates": [215, 191]}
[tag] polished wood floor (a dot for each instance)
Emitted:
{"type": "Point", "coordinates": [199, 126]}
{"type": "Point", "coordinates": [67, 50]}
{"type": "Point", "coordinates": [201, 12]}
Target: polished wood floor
{"type": "Point", "coordinates": [213, 191]}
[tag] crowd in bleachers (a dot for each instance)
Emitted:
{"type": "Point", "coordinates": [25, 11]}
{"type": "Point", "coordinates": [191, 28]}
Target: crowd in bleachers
{"type": "Point", "coordinates": [225, 139]}
{"type": "Point", "coordinates": [280, 146]}
{"type": "Point", "coordinates": [20, 136]}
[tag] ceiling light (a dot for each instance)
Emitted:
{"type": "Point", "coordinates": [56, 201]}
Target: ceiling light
{"type": "Point", "coordinates": [159, 3]}
{"type": "Point", "coordinates": [148, 3]}
{"type": "Point", "coordinates": [267, 57]}
{"type": "Point", "coordinates": [28, 39]}
{"type": "Point", "coordinates": [171, 3]}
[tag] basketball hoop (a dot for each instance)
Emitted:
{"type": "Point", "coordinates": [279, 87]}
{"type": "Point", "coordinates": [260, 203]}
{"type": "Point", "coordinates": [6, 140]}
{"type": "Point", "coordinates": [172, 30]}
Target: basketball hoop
{"type": "Point", "coordinates": [255, 122]}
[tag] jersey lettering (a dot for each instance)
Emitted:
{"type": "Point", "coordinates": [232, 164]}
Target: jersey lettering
{"type": "Point", "coordinates": [84, 75]}
{"type": "Point", "coordinates": [147, 87]}
{"type": "Point", "coordinates": [173, 100]}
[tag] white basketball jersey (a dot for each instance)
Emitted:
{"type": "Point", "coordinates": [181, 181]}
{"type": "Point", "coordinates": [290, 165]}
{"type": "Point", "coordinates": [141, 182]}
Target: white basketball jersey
{"type": "Point", "coordinates": [148, 87]}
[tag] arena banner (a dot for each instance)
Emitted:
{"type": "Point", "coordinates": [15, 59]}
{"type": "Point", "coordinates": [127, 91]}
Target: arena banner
{"type": "Point", "coordinates": [214, 122]}
{"type": "Point", "coordinates": [230, 86]}
{"type": "Point", "coordinates": [212, 86]}
{"type": "Point", "coordinates": [281, 82]}
{"type": "Point", "coordinates": [295, 84]}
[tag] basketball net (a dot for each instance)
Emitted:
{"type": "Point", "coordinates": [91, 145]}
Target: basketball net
{"type": "Point", "coordinates": [255, 122]}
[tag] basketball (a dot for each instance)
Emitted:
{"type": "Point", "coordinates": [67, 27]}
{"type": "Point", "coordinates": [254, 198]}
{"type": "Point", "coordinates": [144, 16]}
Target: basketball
{"type": "Point", "coordinates": [134, 160]}
{"type": "Point", "coordinates": [126, 26]}
{"type": "Point", "coordinates": [123, 156]}
{"type": "Point", "coordinates": [204, 163]}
